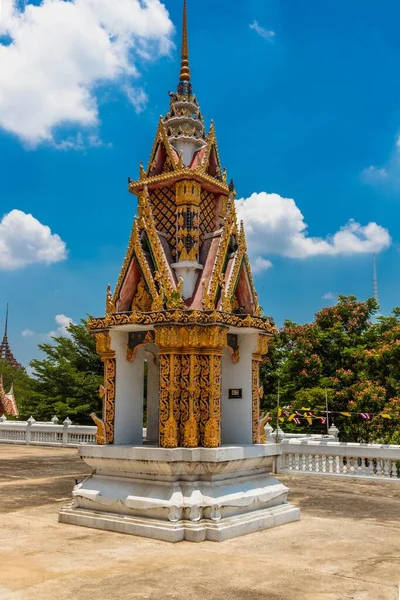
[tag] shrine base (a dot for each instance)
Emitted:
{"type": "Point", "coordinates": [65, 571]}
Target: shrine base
{"type": "Point", "coordinates": [180, 494]}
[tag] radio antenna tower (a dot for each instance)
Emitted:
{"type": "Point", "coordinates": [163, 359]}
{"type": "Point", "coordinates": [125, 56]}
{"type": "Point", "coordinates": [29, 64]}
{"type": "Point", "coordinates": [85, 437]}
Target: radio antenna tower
{"type": "Point", "coordinates": [375, 281]}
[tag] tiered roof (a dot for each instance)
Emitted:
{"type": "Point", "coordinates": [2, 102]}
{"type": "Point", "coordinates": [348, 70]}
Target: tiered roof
{"type": "Point", "coordinates": [5, 350]}
{"type": "Point", "coordinates": [187, 252]}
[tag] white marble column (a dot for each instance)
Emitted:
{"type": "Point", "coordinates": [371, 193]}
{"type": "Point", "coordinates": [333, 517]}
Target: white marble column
{"type": "Point", "coordinates": [129, 389]}
{"type": "Point", "coordinates": [237, 416]}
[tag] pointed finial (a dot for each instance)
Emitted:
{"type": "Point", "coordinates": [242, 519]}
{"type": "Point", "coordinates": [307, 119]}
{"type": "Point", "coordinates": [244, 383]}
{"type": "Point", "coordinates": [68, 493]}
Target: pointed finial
{"type": "Point", "coordinates": [6, 325]}
{"type": "Point", "coordinates": [185, 70]}
{"type": "Point", "coordinates": [231, 186]}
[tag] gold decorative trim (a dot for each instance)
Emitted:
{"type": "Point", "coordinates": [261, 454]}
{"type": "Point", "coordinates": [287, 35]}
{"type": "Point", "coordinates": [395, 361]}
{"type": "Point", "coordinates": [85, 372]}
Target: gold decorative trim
{"type": "Point", "coordinates": [145, 269]}
{"type": "Point", "coordinates": [183, 338]}
{"type": "Point", "coordinates": [212, 429]}
{"type": "Point", "coordinates": [125, 264]}
{"type": "Point", "coordinates": [182, 317]}
{"type": "Point", "coordinates": [257, 391]}
{"type": "Point", "coordinates": [255, 370]}
{"type": "Point", "coordinates": [211, 142]}
{"type": "Point", "coordinates": [161, 136]}
{"type": "Point", "coordinates": [107, 355]}
{"type": "Point", "coordinates": [188, 192]}
{"type": "Point", "coordinates": [230, 228]}
{"type": "Point", "coordinates": [186, 173]}
{"type": "Point", "coordinates": [147, 223]}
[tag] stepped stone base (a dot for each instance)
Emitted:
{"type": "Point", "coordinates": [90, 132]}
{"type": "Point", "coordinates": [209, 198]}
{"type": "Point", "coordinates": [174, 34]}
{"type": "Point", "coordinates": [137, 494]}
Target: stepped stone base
{"type": "Point", "coordinates": [180, 494]}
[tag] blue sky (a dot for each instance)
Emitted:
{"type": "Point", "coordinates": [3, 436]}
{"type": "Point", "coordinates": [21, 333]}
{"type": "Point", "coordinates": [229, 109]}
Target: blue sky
{"type": "Point", "coordinates": [306, 107]}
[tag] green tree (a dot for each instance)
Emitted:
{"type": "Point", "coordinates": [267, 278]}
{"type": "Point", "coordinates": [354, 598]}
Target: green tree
{"type": "Point", "coordinates": [66, 381]}
{"type": "Point", "coordinates": [346, 352]}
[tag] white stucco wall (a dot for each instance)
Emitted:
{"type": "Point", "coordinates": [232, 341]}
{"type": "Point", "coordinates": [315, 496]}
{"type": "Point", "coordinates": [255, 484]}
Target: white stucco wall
{"type": "Point", "coordinates": [237, 413]}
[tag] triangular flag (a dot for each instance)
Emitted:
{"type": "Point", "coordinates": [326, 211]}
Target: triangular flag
{"type": "Point", "coordinates": [385, 416]}
{"type": "Point", "coordinates": [346, 414]}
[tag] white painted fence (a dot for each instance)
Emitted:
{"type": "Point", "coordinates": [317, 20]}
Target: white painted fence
{"type": "Point", "coordinates": [339, 459]}
{"type": "Point", "coordinates": [46, 434]}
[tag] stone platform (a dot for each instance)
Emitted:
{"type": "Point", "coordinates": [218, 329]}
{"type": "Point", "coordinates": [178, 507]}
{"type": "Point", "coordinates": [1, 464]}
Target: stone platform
{"type": "Point", "coordinates": [180, 494]}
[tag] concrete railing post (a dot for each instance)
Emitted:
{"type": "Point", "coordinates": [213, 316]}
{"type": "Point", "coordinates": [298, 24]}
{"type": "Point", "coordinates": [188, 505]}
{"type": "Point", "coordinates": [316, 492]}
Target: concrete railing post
{"type": "Point", "coordinates": [334, 431]}
{"type": "Point", "coordinates": [66, 424]}
{"type": "Point", "coordinates": [268, 433]}
{"type": "Point", "coordinates": [30, 422]}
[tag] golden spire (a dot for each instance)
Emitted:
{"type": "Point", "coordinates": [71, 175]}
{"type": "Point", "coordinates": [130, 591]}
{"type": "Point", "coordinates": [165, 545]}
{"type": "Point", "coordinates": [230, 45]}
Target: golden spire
{"type": "Point", "coordinates": [185, 70]}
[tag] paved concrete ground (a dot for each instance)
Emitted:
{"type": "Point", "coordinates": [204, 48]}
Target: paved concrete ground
{"type": "Point", "coordinates": [347, 545]}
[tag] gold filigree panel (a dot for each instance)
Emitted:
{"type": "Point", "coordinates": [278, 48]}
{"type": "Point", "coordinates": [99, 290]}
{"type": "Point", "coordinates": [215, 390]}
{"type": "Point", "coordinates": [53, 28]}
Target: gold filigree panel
{"type": "Point", "coordinates": [107, 355]}
{"type": "Point", "coordinates": [174, 338]}
{"type": "Point", "coordinates": [256, 400]}
{"type": "Point", "coordinates": [190, 385]}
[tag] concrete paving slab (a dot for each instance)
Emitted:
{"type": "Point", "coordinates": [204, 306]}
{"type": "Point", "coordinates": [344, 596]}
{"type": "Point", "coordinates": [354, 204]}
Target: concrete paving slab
{"type": "Point", "coordinates": [347, 545]}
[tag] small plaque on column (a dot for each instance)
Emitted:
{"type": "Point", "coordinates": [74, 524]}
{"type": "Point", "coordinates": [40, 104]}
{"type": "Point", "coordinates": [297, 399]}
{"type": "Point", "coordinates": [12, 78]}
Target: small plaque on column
{"type": "Point", "coordinates": [235, 393]}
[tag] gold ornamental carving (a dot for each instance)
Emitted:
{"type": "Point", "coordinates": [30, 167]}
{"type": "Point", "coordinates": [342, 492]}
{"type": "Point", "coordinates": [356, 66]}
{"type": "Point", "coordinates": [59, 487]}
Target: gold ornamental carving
{"type": "Point", "coordinates": [196, 337]}
{"type": "Point", "coordinates": [101, 429]}
{"type": "Point", "coordinates": [142, 299]}
{"type": "Point", "coordinates": [110, 304]}
{"type": "Point", "coordinates": [212, 429]}
{"type": "Point", "coordinates": [188, 192]}
{"type": "Point", "coordinates": [169, 377]}
{"type": "Point", "coordinates": [190, 384]}
{"type": "Point", "coordinates": [189, 317]}
{"type": "Point", "coordinates": [107, 391]}
{"type": "Point", "coordinates": [257, 390]}
{"type": "Point", "coordinates": [255, 401]}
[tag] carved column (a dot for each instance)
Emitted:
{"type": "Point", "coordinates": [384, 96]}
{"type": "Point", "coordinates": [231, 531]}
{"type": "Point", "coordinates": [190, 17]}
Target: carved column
{"type": "Point", "coordinates": [107, 391]}
{"type": "Point", "coordinates": [258, 358]}
{"type": "Point", "coordinates": [188, 195]}
{"type": "Point", "coordinates": [190, 384]}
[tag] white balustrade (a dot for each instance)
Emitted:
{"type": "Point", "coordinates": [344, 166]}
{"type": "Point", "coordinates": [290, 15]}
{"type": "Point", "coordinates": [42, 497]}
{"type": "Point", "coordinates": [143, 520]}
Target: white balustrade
{"type": "Point", "coordinates": [46, 434]}
{"type": "Point", "coordinates": [339, 459]}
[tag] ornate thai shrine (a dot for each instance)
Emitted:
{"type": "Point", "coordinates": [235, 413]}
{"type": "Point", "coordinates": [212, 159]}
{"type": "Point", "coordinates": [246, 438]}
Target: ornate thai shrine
{"type": "Point", "coordinates": [8, 405]}
{"type": "Point", "coordinates": [181, 342]}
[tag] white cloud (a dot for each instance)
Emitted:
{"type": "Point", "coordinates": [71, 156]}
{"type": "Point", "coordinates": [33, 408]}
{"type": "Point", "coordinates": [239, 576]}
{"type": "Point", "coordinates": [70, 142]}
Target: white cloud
{"type": "Point", "coordinates": [260, 264]}
{"type": "Point", "coordinates": [27, 333]}
{"type": "Point", "coordinates": [137, 97]}
{"type": "Point", "coordinates": [275, 225]}
{"type": "Point", "coordinates": [329, 296]}
{"type": "Point", "coordinates": [374, 174]}
{"type": "Point", "coordinates": [267, 34]}
{"type": "Point", "coordinates": [62, 321]}
{"type": "Point", "coordinates": [388, 174]}
{"type": "Point", "coordinates": [81, 142]}
{"type": "Point", "coordinates": [61, 52]}
{"type": "Point", "coordinates": [25, 241]}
